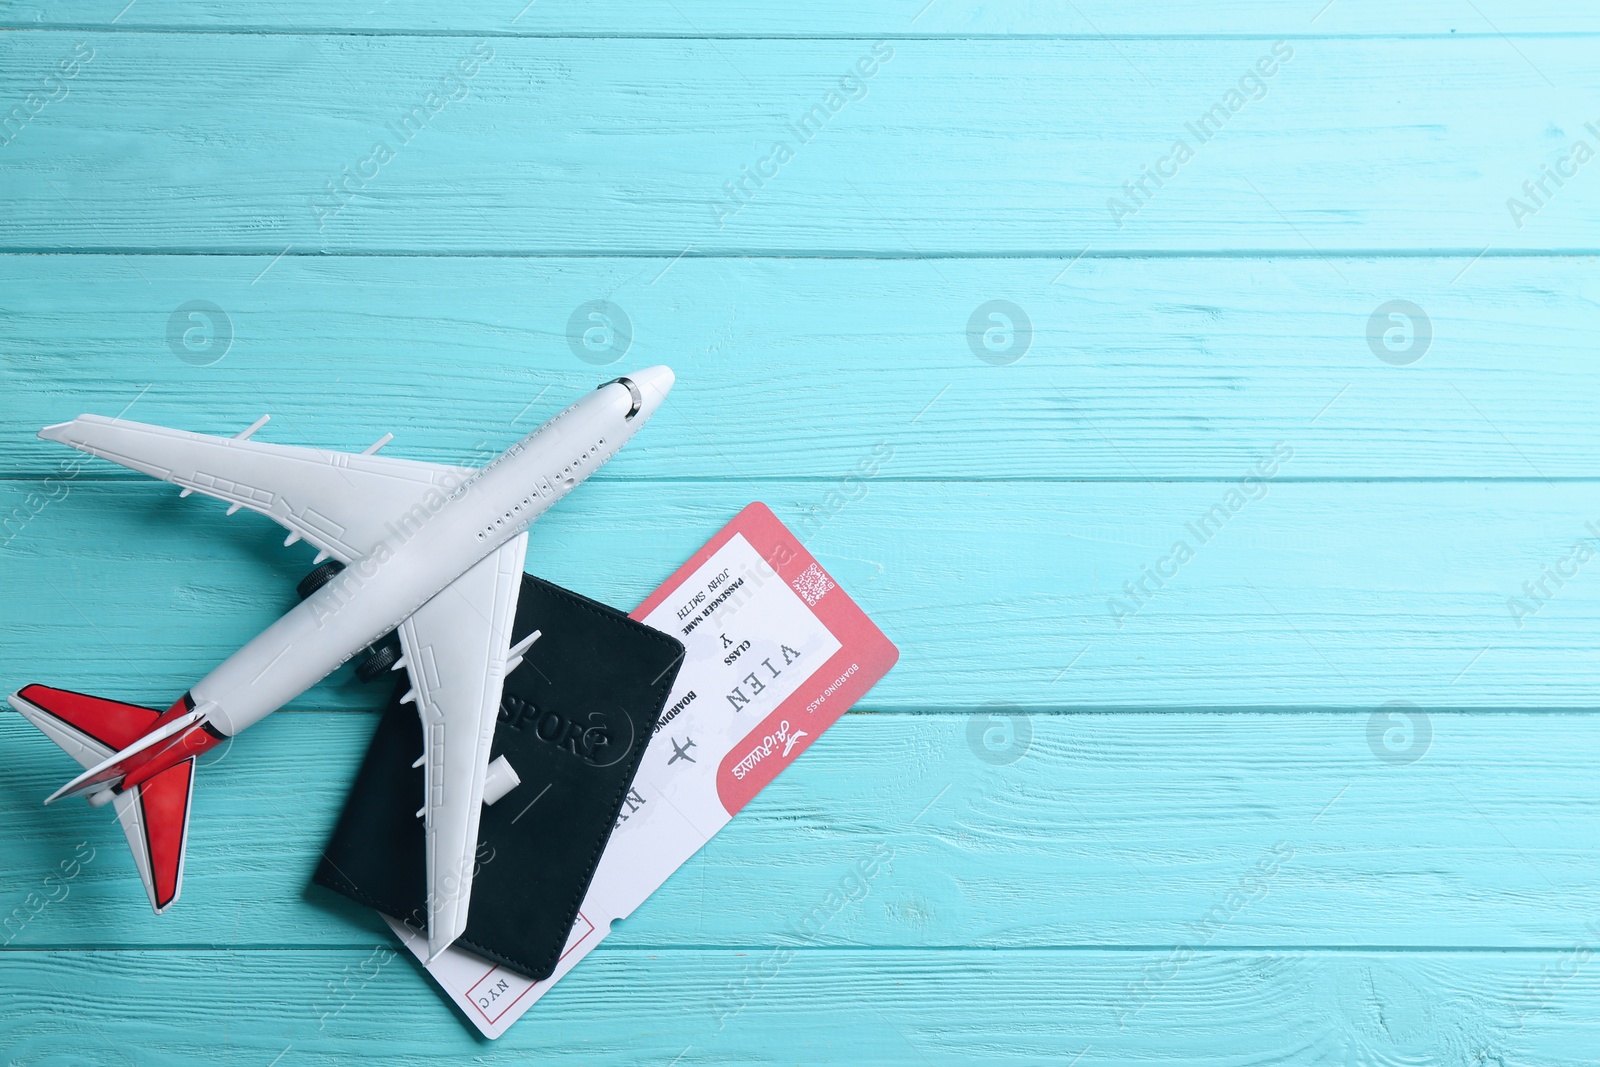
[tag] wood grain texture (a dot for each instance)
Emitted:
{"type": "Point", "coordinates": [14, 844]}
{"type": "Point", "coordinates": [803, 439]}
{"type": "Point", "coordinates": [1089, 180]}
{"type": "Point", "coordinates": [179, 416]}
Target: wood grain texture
{"type": "Point", "coordinates": [823, 1006]}
{"type": "Point", "coordinates": [222, 142]}
{"type": "Point", "coordinates": [1212, 849]}
{"type": "Point", "coordinates": [826, 18]}
{"type": "Point", "coordinates": [1212, 830]}
{"type": "Point", "coordinates": [1314, 594]}
{"type": "Point", "coordinates": [1150, 368]}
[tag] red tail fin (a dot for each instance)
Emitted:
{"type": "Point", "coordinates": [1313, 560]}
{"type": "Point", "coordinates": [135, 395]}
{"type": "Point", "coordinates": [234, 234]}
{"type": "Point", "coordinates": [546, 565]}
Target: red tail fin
{"type": "Point", "coordinates": [154, 814]}
{"type": "Point", "coordinates": [109, 723]}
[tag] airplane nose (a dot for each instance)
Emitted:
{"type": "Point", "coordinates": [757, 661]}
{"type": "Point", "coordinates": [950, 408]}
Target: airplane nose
{"type": "Point", "coordinates": [655, 381]}
{"type": "Point", "coordinates": [647, 389]}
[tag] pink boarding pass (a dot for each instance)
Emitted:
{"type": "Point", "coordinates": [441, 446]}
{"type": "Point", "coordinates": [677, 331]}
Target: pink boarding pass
{"type": "Point", "coordinates": [774, 653]}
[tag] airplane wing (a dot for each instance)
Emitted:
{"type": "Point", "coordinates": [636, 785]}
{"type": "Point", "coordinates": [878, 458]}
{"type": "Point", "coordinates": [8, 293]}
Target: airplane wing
{"type": "Point", "coordinates": [337, 501]}
{"type": "Point", "coordinates": [456, 649]}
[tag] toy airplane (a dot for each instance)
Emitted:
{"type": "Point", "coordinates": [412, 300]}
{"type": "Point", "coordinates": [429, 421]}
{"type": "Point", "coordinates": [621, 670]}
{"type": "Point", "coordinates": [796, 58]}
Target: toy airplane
{"type": "Point", "coordinates": [434, 550]}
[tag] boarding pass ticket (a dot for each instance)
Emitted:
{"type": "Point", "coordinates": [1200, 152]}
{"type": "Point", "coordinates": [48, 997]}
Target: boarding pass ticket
{"type": "Point", "coordinates": [774, 653]}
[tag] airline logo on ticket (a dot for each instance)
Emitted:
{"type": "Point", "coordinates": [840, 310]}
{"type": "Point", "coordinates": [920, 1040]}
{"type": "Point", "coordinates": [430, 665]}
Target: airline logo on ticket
{"type": "Point", "coordinates": [774, 653]}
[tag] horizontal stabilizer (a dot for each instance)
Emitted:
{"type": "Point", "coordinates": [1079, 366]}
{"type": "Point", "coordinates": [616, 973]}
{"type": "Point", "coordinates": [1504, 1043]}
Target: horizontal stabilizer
{"type": "Point", "coordinates": [154, 814]}
{"type": "Point", "coordinates": [155, 817]}
{"type": "Point", "coordinates": [88, 728]}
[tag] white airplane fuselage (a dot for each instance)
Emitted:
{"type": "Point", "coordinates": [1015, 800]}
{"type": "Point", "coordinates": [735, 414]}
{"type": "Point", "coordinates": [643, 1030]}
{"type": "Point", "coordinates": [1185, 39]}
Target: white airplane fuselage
{"type": "Point", "coordinates": [427, 549]}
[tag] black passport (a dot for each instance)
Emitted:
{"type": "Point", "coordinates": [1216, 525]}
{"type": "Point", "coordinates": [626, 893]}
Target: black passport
{"type": "Point", "coordinates": [574, 722]}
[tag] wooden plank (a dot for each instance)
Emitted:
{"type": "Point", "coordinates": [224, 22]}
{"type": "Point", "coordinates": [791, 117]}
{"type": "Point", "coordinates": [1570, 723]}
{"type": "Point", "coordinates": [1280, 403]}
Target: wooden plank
{"type": "Point", "coordinates": [1336, 594]}
{"type": "Point", "coordinates": [824, 1006]}
{"type": "Point", "coordinates": [1151, 368]}
{"type": "Point", "coordinates": [262, 814]}
{"type": "Point", "coordinates": [601, 146]}
{"type": "Point", "coordinates": [1242, 830]}
{"type": "Point", "coordinates": [1088, 19]}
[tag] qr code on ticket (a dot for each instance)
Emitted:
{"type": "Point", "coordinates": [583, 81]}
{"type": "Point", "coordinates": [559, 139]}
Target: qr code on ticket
{"type": "Point", "coordinates": [812, 584]}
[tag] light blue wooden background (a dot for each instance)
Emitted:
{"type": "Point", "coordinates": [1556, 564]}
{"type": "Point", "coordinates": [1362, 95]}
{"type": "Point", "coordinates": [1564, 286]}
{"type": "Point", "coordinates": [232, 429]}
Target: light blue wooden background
{"type": "Point", "coordinates": [1204, 843]}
